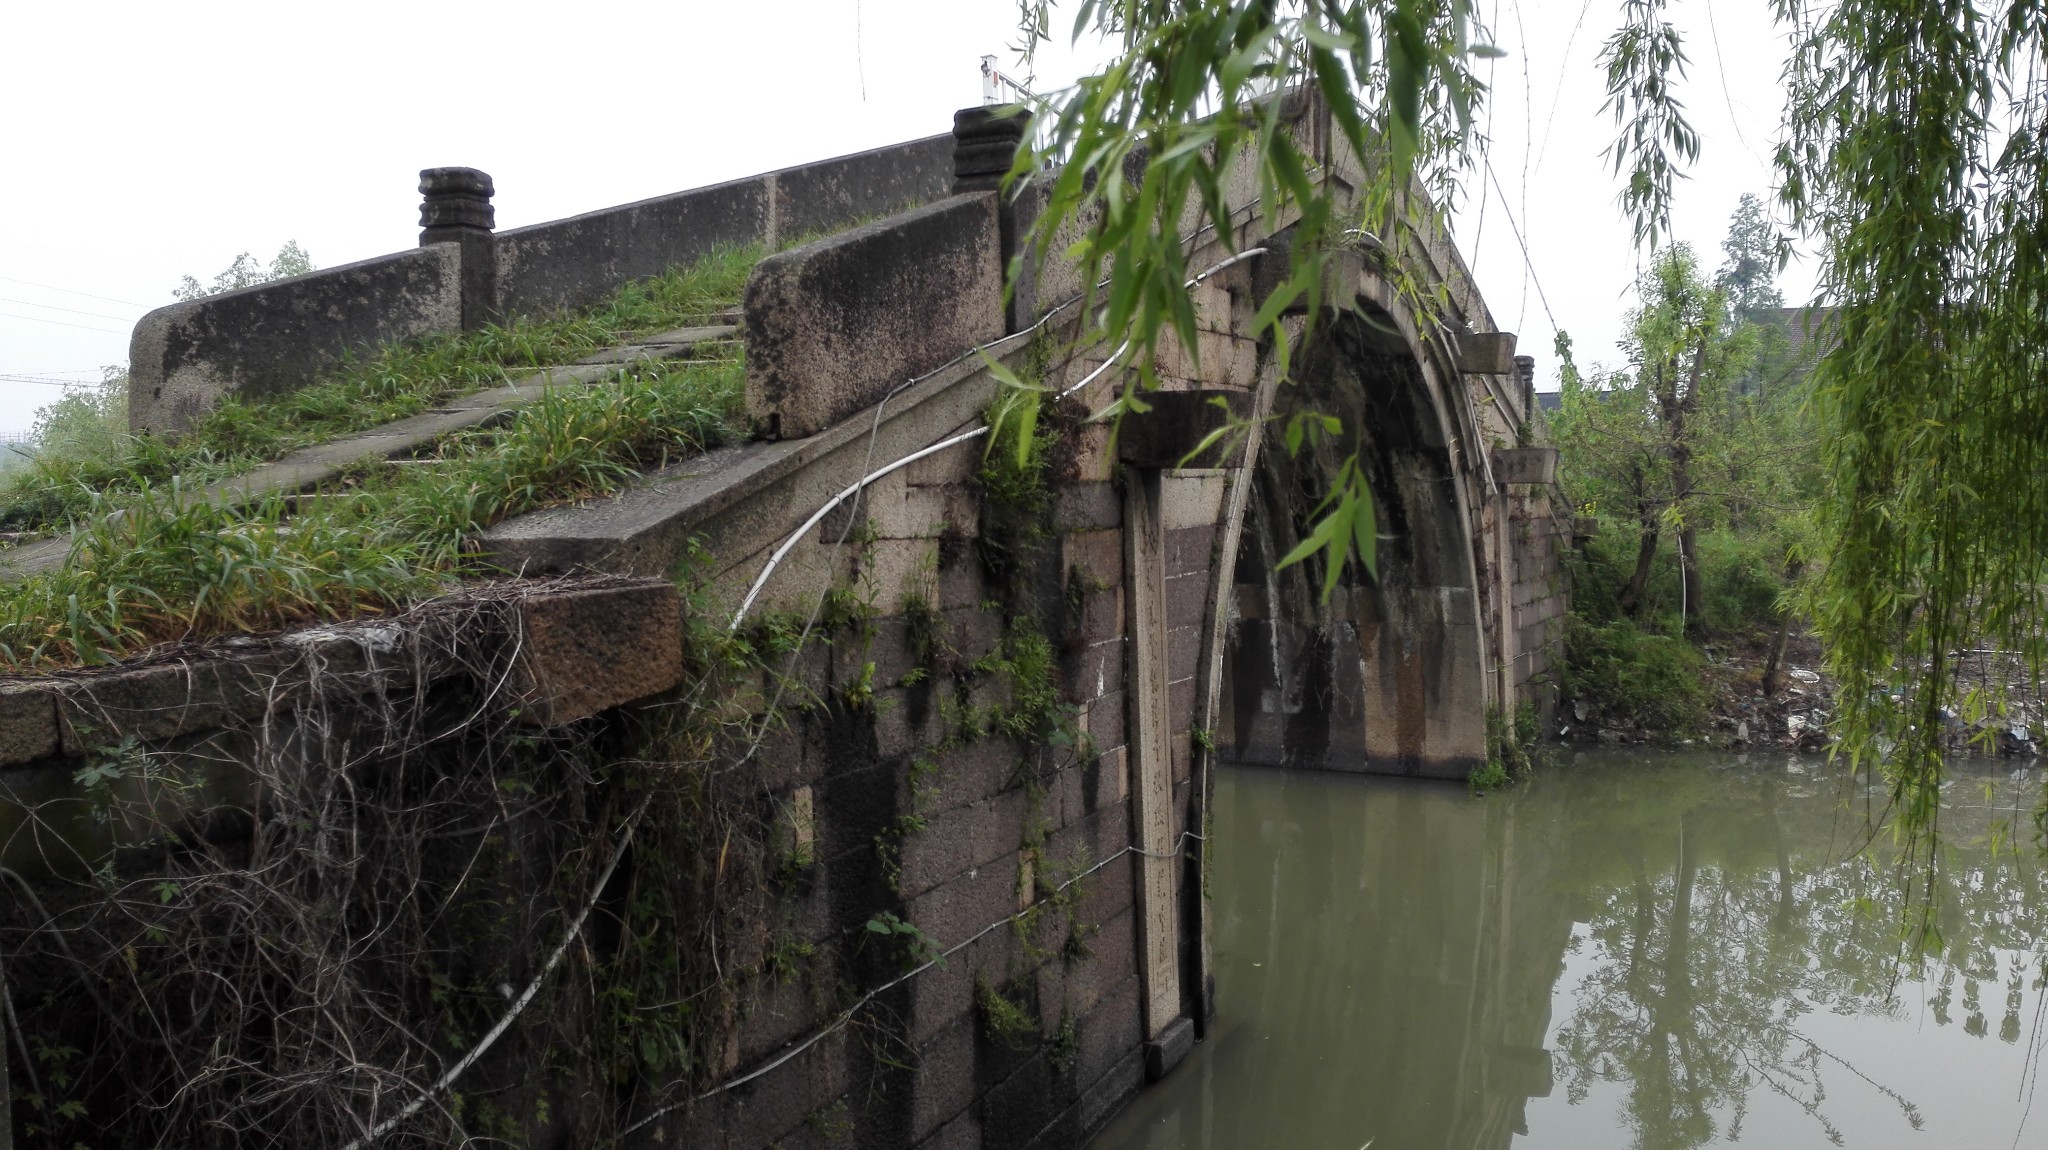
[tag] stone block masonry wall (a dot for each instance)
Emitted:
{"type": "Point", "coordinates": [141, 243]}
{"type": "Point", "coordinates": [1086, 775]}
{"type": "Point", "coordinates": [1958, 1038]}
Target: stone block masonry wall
{"type": "Point", "coordinates": [1539, 527]}
{"type": "Point", "coordinates": [1014, 851]}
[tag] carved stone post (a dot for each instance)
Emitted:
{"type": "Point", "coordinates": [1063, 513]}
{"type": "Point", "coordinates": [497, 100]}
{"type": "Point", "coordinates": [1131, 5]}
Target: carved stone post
{"type": "Point", "coordinates": [455, 207]}
{"type": "Point", "coordinates": [1525, 385]}
{"type": "Point", "coordinates": [985, 143]}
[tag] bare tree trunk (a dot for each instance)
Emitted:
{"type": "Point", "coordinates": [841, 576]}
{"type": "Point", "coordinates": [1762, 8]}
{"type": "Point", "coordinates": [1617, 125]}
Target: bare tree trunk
{"type": "Point", "coordinates": [1646, 554]}
{"type": "Point", "coordinates": [1774, 667]}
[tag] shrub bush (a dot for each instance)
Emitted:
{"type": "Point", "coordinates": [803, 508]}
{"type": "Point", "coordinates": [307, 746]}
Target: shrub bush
{"type": "Point", "coordinates": [1627, 677]}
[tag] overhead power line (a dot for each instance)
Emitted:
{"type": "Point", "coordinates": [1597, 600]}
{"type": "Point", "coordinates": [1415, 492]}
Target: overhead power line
{"type": "Point", "coordinates": [61, 323]}
{"type": "Point", "coordinates": [1527, 263]}
{"type": "Point", "coordinates": [54, 307]}
{"type": "Point", "coordinates": [71, 291]}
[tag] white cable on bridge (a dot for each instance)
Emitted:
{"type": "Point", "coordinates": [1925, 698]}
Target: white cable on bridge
{"type": "Point", "coordinates": [855, 488]}
{"type": "Point", "coordinates": [781, 552]}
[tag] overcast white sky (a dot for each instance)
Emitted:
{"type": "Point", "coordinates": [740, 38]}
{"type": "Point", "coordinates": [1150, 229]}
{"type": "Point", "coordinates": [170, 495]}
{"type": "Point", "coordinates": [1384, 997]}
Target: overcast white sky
{"type": "Point", "coordinates": [144, 141]}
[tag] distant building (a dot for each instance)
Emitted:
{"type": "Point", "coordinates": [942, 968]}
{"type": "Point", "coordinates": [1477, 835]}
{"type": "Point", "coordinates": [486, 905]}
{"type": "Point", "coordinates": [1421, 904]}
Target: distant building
{"type": "Point", "coordinates": [1807, 330]}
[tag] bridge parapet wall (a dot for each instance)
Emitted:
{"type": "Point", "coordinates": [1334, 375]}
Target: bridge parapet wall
{"type": "Point", "coordinates": [275, 337]}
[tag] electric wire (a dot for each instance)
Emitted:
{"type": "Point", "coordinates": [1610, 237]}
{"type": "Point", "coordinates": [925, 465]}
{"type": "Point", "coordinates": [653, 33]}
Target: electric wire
{"type": "Point", "coordinates": [74, 291]}
{"type": "Point", "coordinates": [61, 323]}
{"type": "Point", "coordinates": [71, 310]}
{"type": "Point", "coordinates": [1528, 263]}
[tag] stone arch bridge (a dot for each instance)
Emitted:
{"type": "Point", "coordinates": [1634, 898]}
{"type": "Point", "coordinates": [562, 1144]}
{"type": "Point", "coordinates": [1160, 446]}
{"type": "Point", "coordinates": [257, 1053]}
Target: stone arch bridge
{"type": "Point", "coordinates": [1174, 640]}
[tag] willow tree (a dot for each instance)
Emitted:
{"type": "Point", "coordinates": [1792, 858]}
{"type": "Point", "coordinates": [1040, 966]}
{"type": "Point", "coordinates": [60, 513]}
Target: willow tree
{"type": "Point", "coordinates": [1914, 152]}
{"type": "Point", "coordinates": [1913, 156]}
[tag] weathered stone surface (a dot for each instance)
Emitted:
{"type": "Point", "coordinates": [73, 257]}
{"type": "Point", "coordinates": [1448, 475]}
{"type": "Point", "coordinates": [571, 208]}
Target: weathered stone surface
{"type": "Point", "coordinates": [1536, 465]}
{"type": "Point", "coordinates": [1167, 1051]}
{"type": "Point", "coordinates": [741, 502]}
{"type": "Point", "coordinates": [1485, 353]}
{"type": "Point", "coordinates": [835, 325]}
{"type": "Point", "coordinates": [832, 193]}
{"type": "Point", "coordinates": [574, 262]}
{"type": "Point", "coordinates": [455, 207]}
{"type": "Point", "coordinates": [161, 701]}
{"type": "Point", "coordinates": [28, 722]}
{"type": "Point", "coordinates": [582, 652]}
{"type": "Point", "coordinates": [183, 359]}
{"type": "Point", "coordinates": [1178, 423]}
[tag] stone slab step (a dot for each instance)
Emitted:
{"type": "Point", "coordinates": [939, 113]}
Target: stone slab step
{"type": "Point", "coordinates": [738, 501]}
{"type": "Point", "coordinates": [309, 467]}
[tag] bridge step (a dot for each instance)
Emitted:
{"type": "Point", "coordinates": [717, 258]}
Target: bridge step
{"type": "Point", "coordinates": [309, 467]}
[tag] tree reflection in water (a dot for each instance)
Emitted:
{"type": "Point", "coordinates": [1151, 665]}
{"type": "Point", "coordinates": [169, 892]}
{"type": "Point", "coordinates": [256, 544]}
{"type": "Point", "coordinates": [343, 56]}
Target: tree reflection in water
{"type": "Point", "coordinates": [1699, 941]}
{"type": "Point", "coordinates": [1732, 910]}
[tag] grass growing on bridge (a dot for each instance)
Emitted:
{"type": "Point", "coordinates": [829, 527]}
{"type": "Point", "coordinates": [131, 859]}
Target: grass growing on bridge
{"type": "Point", "coordinates": [395, 382]}
{"type": "Point", "coordinates": [176, 566]}
{"type": "Point", "coordinates": [154, 561]}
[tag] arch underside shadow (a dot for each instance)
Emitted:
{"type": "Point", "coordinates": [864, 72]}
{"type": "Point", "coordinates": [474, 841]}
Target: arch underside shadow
{"type": "Point", "coordinates": [1386, 675]}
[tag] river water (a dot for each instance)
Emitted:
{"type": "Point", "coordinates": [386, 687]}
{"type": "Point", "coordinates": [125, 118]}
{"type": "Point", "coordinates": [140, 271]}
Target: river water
{"type": "Point", "coordinates": [1631, 950]}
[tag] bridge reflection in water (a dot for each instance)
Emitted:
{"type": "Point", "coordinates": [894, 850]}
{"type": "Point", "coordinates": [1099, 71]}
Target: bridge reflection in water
{"type": "Point", "coordinates": [1656, 951]}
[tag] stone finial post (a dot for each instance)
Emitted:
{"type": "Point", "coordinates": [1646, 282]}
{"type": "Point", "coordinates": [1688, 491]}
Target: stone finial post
{"type": "Point", "coordinates": [1525, 384]}
{"type": "Point", "coordinates": [455, 207]}
{"type": "Point", "coordinates": [985, 143]}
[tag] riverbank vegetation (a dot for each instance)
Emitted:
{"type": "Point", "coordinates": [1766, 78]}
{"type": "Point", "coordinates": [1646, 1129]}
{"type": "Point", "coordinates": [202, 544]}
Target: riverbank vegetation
{"type": "Point", "coordinates": [1697, 461]}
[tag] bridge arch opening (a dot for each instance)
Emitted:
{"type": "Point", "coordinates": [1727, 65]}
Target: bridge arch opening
{"type": "Point", "coordinates": [1387, 674]}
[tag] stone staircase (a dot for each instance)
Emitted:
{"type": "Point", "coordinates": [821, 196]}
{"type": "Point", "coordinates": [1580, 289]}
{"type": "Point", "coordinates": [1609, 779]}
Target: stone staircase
{"type": "Point", "coordinates": [308, 468]}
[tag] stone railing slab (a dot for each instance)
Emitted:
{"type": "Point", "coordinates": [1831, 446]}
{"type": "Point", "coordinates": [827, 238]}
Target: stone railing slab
{"type": "Point", "coordinates": [739, 501]}
{"type": "Point", "coordinates": [581, 648]}
{"type": "Point", "coordinates": [284, 335]}
{"type": "Point", "coordinates": [183, 359]}
{"type": "Point", "coordinates": [1525, 465]}
{"type": "Point", "coordinates": [835, 325]}
{"type": "Point", "coordinates": [577, 261]}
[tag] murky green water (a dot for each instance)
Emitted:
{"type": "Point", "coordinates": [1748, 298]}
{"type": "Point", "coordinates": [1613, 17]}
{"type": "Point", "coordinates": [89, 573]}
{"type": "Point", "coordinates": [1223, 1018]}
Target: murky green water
{"type": "Point", "coordinates": [1653, 951]}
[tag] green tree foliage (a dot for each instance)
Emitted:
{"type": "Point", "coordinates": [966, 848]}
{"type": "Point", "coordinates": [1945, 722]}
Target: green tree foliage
{"type": "Point", "coordinates": [1679, 443]}
{"type": "Point", "coordinates": [1701, 440]}
{"type": "Point", "coordinates": [247, 271]}
{"type": "Point", "coordinates": [1755, 250]}
{"type": "Point", "coordinates": [1190, 123]}
{"type": "Point", "coordinates": [1915, 154]}
{"type": "Point", "coordinates": [1645, 59]}
{"type": "Point", "coordinates": [90, 422]}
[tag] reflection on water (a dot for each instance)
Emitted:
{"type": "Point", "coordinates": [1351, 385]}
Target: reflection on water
{"type": "Point", "coordinates": [1632, 951]}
